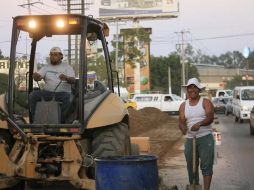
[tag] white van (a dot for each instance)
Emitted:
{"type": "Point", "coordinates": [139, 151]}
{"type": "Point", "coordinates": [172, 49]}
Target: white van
{"type": "Point", "coordinates": [169, 103]}
{"type": "Point", "coordinates": [243, 101]}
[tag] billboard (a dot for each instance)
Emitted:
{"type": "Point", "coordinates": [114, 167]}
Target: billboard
{"type": "Point", "coordinates": [137, 59]}
{"type": "Point", "coordinates": [127, 9]}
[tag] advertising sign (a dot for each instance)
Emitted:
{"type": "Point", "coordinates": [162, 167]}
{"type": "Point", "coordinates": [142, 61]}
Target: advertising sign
{"type": "Point", "coordinates": [136, 59]}
{"type": "Point", "coordinates": [110, 9]}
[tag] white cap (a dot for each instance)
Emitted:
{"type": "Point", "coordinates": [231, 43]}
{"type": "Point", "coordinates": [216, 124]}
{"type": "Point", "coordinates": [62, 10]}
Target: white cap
{"type": "Point", "coordinates": [196, 83]}
{"type": "Point", "coordinates": [55, 50]}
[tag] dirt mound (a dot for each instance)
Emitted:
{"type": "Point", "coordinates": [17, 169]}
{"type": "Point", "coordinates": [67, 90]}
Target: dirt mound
{"type": "Point", "coordinates": [163, 132]}
{"type": "Point", "coordinates": [149, 118]}
{"type": "Point", "coordinates": [159, 126]}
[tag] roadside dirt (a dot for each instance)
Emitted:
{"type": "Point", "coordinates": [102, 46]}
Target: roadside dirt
{"type": "Point", "coordinates": [165, 140]}
{"type": "Point", "coordinates": [159, 126]}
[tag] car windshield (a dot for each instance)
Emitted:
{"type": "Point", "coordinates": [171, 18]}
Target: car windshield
{"type": "Point", "coordinates": [220, 100]}
{"type": "Point", "coordinates": [178, 98]}
{"type": "Point", "coordinates": [247, 94]}
{"type": "Point", "coordinates": [229, 92]}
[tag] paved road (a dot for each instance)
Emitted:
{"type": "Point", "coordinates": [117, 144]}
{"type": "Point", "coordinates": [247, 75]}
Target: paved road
{"type": "Point", "coordinates": [234, 169]}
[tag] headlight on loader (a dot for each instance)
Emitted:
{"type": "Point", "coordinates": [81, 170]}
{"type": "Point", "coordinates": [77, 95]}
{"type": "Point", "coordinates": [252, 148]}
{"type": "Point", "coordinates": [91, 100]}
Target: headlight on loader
{"type": "Point", "coordinates": [60, 23]}
{"type": "Point", "coordinates": [32, 24]}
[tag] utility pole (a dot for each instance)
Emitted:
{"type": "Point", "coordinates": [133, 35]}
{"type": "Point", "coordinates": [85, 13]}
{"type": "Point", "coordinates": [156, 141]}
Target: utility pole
{"type": "Point", "coordinates": [28, 5]}
{"type": "Point", "coordinates": [247, 69]}
{"type": "Point", "coordinates": [183, 58]}
{"type": "Point", "coordinates": [246, 54]}
{"type": "Point", "coordinates": [169, 81]}
{"type": "Point", "coordinates": [117, 41]}
{"type": "Point", "coordinates": [182, 55]}
{"type": "Point", "coordinates": [117, 65]}
{"type": "Point", "coordinates": [74, 7]}
{"type": "Point", "coordinates": [69, 36]}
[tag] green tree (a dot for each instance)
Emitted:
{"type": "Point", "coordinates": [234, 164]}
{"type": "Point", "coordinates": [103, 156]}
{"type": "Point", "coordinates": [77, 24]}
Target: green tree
{"type": "Point", "coordinates": [1, 54]}
{"type": "Point", "coordinates": [120, 59]}
{"type": "Point", "coordinates": [231, 60]}
{"type": "Point", "coordinates": [129, 48]}
{"type": "Point", "coordinates": [250, 61]}
{"type": "Point", "coordinates": [98, 66]}
{"type": "Point", "coordinates": [159, 73]}
{"type": "Point", "coordinates": [237, 81]}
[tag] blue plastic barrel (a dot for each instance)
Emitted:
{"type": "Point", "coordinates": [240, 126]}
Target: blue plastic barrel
{"type": "Point", "coordinates": [127, 173]}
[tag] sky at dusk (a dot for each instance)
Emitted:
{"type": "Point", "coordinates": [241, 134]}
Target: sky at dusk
{"type": "Point", "coordinates": [214, 26]}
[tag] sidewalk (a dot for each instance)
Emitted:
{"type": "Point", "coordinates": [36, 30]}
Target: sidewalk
{"type": "Point", "coordinates": [174, 172]}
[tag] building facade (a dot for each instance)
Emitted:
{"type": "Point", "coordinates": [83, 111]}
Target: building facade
{"type": "Point", "coordinates": [216, 76]}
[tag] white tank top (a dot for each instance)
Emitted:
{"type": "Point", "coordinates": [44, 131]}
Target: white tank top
{"type": "Point", "coordinates": [193, 115]}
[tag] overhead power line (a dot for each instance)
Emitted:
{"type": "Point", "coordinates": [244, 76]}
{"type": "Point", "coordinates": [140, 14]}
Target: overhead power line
{"type": "Point", "coordinates": [226, 36]}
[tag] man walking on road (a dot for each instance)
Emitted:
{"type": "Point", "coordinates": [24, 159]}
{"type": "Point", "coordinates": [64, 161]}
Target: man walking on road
{"type": "Point", "coordinates": [195, 117]}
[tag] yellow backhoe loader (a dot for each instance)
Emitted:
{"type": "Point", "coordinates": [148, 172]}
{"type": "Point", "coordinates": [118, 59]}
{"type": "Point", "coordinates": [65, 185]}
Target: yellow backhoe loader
{"type": "Point", "coordinates": [44, 149]}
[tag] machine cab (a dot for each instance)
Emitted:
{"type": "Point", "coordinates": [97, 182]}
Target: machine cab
{"type": "Point", "coordinates": [82, 40]}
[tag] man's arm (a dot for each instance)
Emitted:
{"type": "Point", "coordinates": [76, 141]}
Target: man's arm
{"type": "Point", "coordinates": [182, 120]}
{"type": "Point", "coordinates": [37, 76]}
{"type": "Point", "coordinates": [209, 111]}
{"type": "Point", "coordinates": [70, 80]}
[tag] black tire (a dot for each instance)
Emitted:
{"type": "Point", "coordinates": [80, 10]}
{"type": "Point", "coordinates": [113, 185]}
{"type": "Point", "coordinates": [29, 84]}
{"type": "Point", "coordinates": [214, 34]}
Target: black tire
{"type": "Point", "coordinates": [236, 119]}
{"type": "Point", "coordinates": [35, 185]}
{"type": "Point", "coordinates": [240, 120]}
{"type": "Point", "coordinates": [19, 186]}
{"type": "Point", "coordinates": [135, 150]}
{"type": "Point", "coordinates": [251, 130]}
{"type": "Point", "coordinates": [111, 141]}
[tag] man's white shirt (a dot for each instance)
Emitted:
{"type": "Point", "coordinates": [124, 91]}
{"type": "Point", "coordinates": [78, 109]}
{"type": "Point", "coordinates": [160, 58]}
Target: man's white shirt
{"type": "Point", "coordinates": [50, 73]}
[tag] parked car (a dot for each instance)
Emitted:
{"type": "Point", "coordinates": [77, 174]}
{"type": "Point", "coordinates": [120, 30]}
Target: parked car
{"type": "Point", "coordinates": [220, 104]}
{"type": "Point", "coordinates": [243, 101]}
{"type": "Point", "coordinates": [229, 107]}
{"type": "Point", "coordinates": [169, 103]}
{"type": "Point", "coordinates": [216, 93]}
{"type": "Point", "coordinates": [252, 121]}
{"type": "Point", "coordinates": [224, 93]}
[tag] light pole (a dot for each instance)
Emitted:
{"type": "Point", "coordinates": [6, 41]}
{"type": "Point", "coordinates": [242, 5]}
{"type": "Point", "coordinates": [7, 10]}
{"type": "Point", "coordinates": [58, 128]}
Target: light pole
{"type": "Point", "coordinates": [246, 54]}
{"type": "Point", "coordinates": [182, 57]}
{"type": "Point", "coordinates": [247, 71]}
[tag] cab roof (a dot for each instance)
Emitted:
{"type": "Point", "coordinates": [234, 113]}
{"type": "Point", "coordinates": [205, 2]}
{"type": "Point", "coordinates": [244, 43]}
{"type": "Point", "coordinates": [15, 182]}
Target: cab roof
{"type": "Point", "coordinates": [62, 24]}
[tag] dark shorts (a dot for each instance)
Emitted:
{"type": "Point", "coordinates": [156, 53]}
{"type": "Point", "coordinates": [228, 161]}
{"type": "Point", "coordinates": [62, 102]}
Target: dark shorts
{"type": "Point", "coordinates": [204, 155]}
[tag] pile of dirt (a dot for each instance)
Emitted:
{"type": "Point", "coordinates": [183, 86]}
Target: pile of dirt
{"type": "Point", "coordinates": [163, 132]}
{"type": "Point", "coordinates": [150, 118]}
{"type": "Point", "coordinates": [159, 126]}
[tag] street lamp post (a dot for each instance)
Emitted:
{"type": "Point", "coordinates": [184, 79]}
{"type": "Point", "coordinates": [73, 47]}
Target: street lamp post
{"type": "Point", "coordinates": [247, 71]}
{"type": "Point", "coordinates": [246, 54]}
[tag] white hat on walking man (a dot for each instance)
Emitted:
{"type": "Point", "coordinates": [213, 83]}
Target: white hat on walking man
{"type": "Point", "coordinates": [195, 82]}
